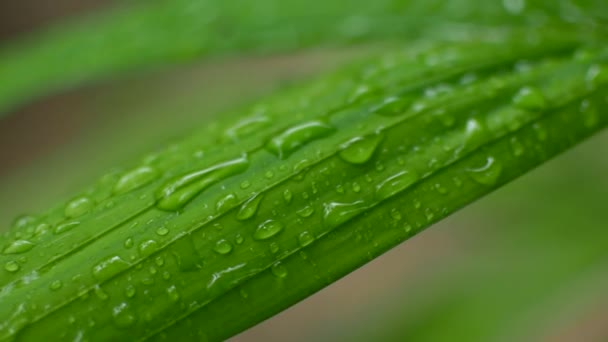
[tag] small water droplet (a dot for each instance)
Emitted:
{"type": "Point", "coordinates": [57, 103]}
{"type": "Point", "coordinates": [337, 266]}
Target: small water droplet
{"type": "Point", "coordinates": [517, 147]}
{"type": "Point", "coordinates": [274, 248]}
{"type": "Point", "coordinates": [441, 189]}
{"type": "Point", "coordinates": [245, 184]}
{"type": "Point", "coordinates": [122, 316]}
{"type": "Point", "coordinates": [362, 92]}
{"type": "Point", "coordinates": [249, 208]}
{"type": "Point", "coordinates": [11, 266]}
{"type": "Point", "coordinates": [287, 196]}
{"type": "Point", "coordinates": [65, 227]}
{"type": "Point", "coordinates": [130, 291]}
{"type": "Point", "coordinates": [148, 247]}
{"type": "Point", "coordinates": [239, 239]}
{"type": "Point", "coordinates": [307, 211]}
{"type": "Point", "coordinates": [135, 179]}
{"type": "Point", "coordinates": [597, 75]}
{"type": "Point", "coordinates": [55, 285]}
{"type": "Point", "coordinates": [392, 106]}
{"type": "Point", "coordinates": [178, 192]}
{"type": "Point", "coordinates": [396, 183]}
{"type": "Point", "coordinates": [162, 231]}
{"type": "Point", "coordinates": [19, 246]}
{"type": "Point", "coordinates": [530, 98]}
{"type": "Point", "coordinates": [487, 174]}
{"type": "Point", "coordinates": [305, 238]}
{"type": "Point", "coordinates": [247, 126]}
{"type": "Point", "coordinates": [395, 214]}
{"type": "Point", "coordinates": [267, 230]}
{"type": "Point", "coordinates": [295, 137]}
{"type": "Point", "coordinates": [514, 7]}
{"type": "Point", "coordinates": [361, 149]}
{"type": "Point", "coordinates": [336, 213]}
{"type": "Point", "coordinates": [78, 207]}
{"type": "Point", "coordinates": [128, 243]}
{"type": "Point", "coordinates": [173, 293]}
{"type": "Point", "coordinates": [223, 247]}
{"type": "Point", "coordinates": [109, 267]}
{"type": "Point", "coordinates": [279, 270]}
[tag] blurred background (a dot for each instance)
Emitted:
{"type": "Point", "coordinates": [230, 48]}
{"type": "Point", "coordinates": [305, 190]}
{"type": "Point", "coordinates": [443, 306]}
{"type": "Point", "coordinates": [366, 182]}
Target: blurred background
{"type": "Point", "coordinates": [527, 263]}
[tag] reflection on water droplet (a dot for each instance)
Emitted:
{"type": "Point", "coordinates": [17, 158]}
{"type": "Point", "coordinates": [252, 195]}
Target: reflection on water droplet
{"type": "Point", "coordinates": [279, 270]}
{"type": "Point", "coordinates": [286, 143]}
{"type": "Point", "coordinates": [65, 227]}
{"type": "Point", "coordinates": [361, 149]}
{"type": "Point", "coordinates": [109, 267]}
{"type": "Point", "coordinates": [392, 106]}
{"type": "Point", "coordinates": [19, 246]}
{"type": "Point", "coordinates": [307, 211]}
{"type": "Point", "coordinates": [122, 316]}
{"type": "Point", "coordinates": [55, 285]}
{"type": "Point", "coordinates": [226, 203]}
{"type": "Point", "coordinates": [530, 98]}
{"type": "Point", "coordinates": [78, 207]}
{"type": "Point", "coordinates": [247, 126]}
{"type": "Point", "coordinates": [305, 239]}
{"type": "Point", "coordinates": [267, 230]}
{"type": "Point", "coordinates": [148, 247]}
{"type": "Point", "coordinates": [162, 231]}
{"type": "Point", "coordinates": [396, 183]}
{"type": "Point", "coordinates": [135, 179]}
{"type": "Point", "coordinates": [249, 208]}
{"type": "Point", "coordinates": [178, 192]}
{"type": "Point", "coordinates": [336, 213]}
{"type": "Point", "coordinates": [11, 266]}
{"type": "Point", "coordinates": [487, 174]}
{"type": "Point", "coordinates": [222, 247]}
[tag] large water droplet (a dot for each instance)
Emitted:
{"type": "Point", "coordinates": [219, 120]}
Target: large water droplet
{"type": "Point", "coordinates": [109, 267]}
{"type": "Point", "coordinates": [267, 230]}
{"type": "Point", "coordinates": [247, 126]}
{"type": "Point", "coordinates": [78, 207]}
{"type": "Point", "coordinates": [487, 174]}
{"type": "Point", "coordinates": [11, 266]}
{"type": "Point", "coordinates": [337, 213]}
{"type": "Point", "coordinates": [65, 227]}
{"type": "Point", "coordinates": [530, 98]}
{"type": "Point", "coordinates": [135, 179]}
{"type": "Point", "coordinates": [295, 137]}
{"type": "Point", "coordinates": [19, 246]}
{"type": "Point", "coordinates": [179, 191]}
{"type": "Point", "coordinates": [392, 106]}
{"type": "Point", "coordinates": [396, 183]}
{"type": "Point", "coordinates": [223, 247]}
{"type": "Point", "coordinates": [249, 208]}
{"type": "Point", "coordinates": [361, 149]}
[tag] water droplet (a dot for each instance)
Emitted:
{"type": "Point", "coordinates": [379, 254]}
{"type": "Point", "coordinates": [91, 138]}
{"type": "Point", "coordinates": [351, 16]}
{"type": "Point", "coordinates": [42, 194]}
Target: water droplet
{"type": "Point", "coordinates": [269, 174]}
{"type": "Point", "coordinates": [78, 207]}
{"type": "Point", "coordinates": [530, 98]}
{"type": "Point", "coordinates": [395, 214]}
{"type": "Point", "coordinates": [287, 196]}
{"type": "Point", "coordinates": [135, 179]}
{"type": "Point", "coordinates": [245, 184]}
{"type": "Point", "coordinates": [179, 191]}
{"type": "Point", "coordinates": [42, 229]}
{"type": "Point", "coordinates": [122, 316]}
{"type": "Point", "coordinates": [597, 75]}
{"type": "Point", "coordinates": [307, 211]}
{"type": "Point", "coordinates": [222, 247]}
{"type": "Point", "coordinates": [130, 291]}
{"type": "Point", "coordinates": [11, 266]}
{"type": "Point", "coordinates": [226, 203]}
{"type": "Point", "coordinates": [244, 293]}
{"type": "Point", "coordinates": [64, 227]}
{"type": "Point", "coordinates": [55, 285]}
{"type": "Point", "coordinates": [23, 222]}
{"type": "Point", "coordinates": [295, 137]}
{"type": "Point", "coordinates": [128, 243]}
{"type": "Point", "coordinates": [279, 270]}
{"type": "Point", "coordinates": [362, 92]}
{"type": "Point", "coordinates": [487, 174]}
{"type": "Point", "coordinates": [516, 147]}
{"type": "Point", "coordinates": [173, 293]}
{"type": "Point", "coordinates": [249, 208]}
{"type": "Point", "coordinates": [274, 248]}
{"type": "Point", "coordinates": [356, 187]}
{"type": "Point", "coordinates": [337, 213]}
{"type": "Point", "coordinates": [100, 293]}
{"type": "Point", "coordinates": [267, 230]}
{"type": "Point", "coordinates": [514, 6]}
{"type": "Point", "coordinates": [392, 106]}
{"type": "Point", "coordinates": [396, 183]}
{"type": "Point", "coordinates": [109, 267]}
{"type": "Point", "coordinates": [441, 189]}
{"type": "Point", "coordinates": [247, 126]}
{"type": "Point", "coordinates": [476, 134]}
{"type": "Point", "coordinates": [162, 231]}
{"type": "Point", "coordinates": [148, 247]}
{"type": "Point", "coordinates": [361, 149]}
{"type": "Point", "coordinates": [19, 246]}
{"type": "Point", "coordinates": [239, 239]}
{"type": "Point", "coordinates": [590, 114]}
{"type": "Point", "coordinates": [305, 239]}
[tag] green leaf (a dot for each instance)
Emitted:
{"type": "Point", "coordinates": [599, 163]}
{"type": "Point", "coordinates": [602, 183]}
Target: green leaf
{"type": "Point", "coordinates": [251, 214]}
